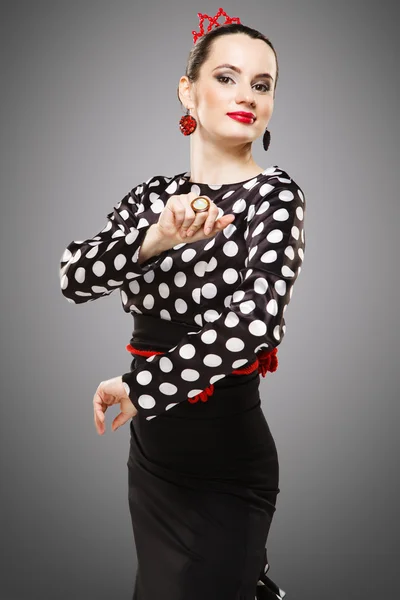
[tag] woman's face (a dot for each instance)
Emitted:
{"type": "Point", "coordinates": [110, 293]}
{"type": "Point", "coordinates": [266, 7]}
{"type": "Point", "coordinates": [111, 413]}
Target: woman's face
{"type": "Point", "coordinates": [222, 90]}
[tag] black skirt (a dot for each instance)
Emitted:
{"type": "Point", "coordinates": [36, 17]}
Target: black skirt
{"type": "Point", "coordinates": [203, 483]}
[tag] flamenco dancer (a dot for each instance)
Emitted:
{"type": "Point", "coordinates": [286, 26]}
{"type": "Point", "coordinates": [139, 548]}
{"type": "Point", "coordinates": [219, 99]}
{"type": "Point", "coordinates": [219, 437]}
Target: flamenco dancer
{"type": "Point", "coordinates": [205, 262]}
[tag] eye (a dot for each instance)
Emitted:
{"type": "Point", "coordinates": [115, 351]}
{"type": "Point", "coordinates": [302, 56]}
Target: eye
{"type": "Point", "coordinates": [221, 77]}
{"type": "Point", "coordinates": [265, 85]}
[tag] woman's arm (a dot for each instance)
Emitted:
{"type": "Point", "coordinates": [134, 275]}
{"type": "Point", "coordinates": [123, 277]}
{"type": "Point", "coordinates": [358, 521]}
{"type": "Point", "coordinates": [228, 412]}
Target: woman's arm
{"type": "Point", "coordinates": [152, 245]}
{"type": "Point", "coordinates": [127, 247]}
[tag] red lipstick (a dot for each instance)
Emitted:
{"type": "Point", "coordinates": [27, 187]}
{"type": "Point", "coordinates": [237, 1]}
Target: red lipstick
{"type": "Point", "coordinates": [244, 117]}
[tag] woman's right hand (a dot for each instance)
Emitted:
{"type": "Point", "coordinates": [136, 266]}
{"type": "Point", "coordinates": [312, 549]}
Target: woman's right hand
{"type": "Point", "coordinates": [178, 219]}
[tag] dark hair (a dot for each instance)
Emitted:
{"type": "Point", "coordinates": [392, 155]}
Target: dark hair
{"type": "Point", "coordinates": [202, 48]}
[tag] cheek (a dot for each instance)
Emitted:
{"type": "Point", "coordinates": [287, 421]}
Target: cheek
{"type": "Point", "coordinates": [213, 97]}
{"type": "Point", "coordinates": [268, 107]}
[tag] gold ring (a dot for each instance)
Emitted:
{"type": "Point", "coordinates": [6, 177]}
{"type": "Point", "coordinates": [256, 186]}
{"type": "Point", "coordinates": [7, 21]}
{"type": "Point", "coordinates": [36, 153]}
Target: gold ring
{"type": "Point", "coordinates": [200, 204]}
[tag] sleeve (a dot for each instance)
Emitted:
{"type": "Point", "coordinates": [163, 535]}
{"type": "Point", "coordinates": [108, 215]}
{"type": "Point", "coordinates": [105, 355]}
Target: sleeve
{"type": "Point", "coordinates": [253, 320]}
{"type": "Point", "coordinates": [95, 267]}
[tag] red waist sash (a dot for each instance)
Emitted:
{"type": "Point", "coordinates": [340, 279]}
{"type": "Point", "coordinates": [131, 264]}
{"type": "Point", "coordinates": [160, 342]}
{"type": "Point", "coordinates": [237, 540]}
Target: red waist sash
{"type": "Point", "coordinates": [266, 360]}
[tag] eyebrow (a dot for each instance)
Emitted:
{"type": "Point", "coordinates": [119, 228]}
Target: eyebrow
{"type": "Point", "coordinates": [226, 66]}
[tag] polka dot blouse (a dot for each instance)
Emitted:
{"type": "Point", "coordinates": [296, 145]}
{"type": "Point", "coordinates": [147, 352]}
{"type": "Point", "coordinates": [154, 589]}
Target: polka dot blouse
{"type": "Point", "coordinates": [236, 286]}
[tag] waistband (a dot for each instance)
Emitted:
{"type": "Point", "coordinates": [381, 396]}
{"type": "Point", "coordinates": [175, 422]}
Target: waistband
{"type": "Point", "coordinates": [158, 334]}
{"type": "Point", "coordinates": [152, 335]}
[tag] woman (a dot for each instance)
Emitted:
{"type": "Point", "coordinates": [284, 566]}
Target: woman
{"type": "Point", "coordinates": [205, 262]}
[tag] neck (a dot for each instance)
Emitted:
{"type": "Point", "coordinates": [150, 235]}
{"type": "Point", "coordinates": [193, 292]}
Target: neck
{"type": "Point", "coordinates": [214, 165]}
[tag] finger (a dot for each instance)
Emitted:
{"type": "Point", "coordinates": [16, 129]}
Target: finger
{"type": "Point", "coordinates": [119, 420]}
{"type": "Point", "coordinates": [198, 218]}
{"type": "Point", "coordinates": [176, 213]}
{"type": "Point", "coordinates": [213, 224]}
{"type": "Point", "coordinates": [190, 214]}
{"type": "Point", "coordinates": [100, 426]}
{"type": "Point", "coordinates": [211, 219]}
{"type": "Point", "coordinates": [197, 224]}
{"type": "Point", "coordinates": [227, 219]}
{"type": "Point", "coordinates": [220, 224]}
{"type": "Point", "coordinates": [194, 220]}
{"type": "Point", "coordinates": [99, 412]}
{"type": "Point", "coordinates": [99, 405]}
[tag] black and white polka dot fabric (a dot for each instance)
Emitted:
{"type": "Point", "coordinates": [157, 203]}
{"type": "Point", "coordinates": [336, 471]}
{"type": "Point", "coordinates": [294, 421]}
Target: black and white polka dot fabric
{"type": "Point", "coordinates": [236, 286]}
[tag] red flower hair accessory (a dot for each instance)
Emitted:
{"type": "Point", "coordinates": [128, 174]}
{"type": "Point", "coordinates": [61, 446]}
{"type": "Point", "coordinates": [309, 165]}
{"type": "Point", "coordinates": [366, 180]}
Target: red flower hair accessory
{"type": "Point", "coordinates": [213, 21]}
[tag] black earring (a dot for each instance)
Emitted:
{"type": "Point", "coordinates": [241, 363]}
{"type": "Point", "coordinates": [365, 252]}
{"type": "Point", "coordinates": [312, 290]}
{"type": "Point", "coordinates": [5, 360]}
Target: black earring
{"type": "Point", "coordinates": [266, 139]}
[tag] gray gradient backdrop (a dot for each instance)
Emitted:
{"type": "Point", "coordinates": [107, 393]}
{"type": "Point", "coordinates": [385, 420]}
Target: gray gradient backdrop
{"type": "Point", "coordinates": [89, 110]}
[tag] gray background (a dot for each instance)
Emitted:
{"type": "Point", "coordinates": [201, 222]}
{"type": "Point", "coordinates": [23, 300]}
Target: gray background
{"type": "Point", "coordinates": [89, 110]}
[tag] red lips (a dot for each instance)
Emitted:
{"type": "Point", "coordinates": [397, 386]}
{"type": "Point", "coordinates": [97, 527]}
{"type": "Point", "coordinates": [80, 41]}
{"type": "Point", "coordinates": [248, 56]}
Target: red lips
{"type": "Point", "coordinates": [243, 114]}
{"type": "Point", "coordinates": [242, 117]}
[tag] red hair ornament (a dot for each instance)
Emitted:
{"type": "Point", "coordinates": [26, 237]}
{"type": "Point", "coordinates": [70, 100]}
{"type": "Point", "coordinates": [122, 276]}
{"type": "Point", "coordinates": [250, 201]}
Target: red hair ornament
{"type": "Point", "coordinates": [212, 21]}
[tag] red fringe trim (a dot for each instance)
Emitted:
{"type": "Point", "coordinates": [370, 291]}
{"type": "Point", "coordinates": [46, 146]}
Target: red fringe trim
{"type": "Point", "coordinates": [267, 360]}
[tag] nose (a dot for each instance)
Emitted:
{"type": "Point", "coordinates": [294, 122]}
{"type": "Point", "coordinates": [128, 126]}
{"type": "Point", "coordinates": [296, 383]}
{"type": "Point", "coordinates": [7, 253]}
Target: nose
{"type": "Point", "coordinates": [245, 94]}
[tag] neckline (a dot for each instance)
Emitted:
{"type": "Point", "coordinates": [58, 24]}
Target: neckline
{"type": "Point", "coordinates": [267, 171]}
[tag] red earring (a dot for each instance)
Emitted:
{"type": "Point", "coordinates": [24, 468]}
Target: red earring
{"type": "Point", "coordinates": [187, 124]}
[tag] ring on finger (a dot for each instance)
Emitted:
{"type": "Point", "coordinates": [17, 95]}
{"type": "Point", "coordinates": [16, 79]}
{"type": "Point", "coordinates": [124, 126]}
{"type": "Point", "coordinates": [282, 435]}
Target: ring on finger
{"type": "Point", "coordinates": [200, 204]}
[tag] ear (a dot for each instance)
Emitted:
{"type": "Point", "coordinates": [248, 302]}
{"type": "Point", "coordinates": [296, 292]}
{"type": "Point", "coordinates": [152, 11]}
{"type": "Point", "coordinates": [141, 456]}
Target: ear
{"type": "Point", "coordinates": [185, 92]}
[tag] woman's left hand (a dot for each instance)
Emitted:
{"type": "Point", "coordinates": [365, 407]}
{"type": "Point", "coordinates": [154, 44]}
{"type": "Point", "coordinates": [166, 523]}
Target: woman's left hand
{"type": "Point", "coordinates": [110, 392]}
